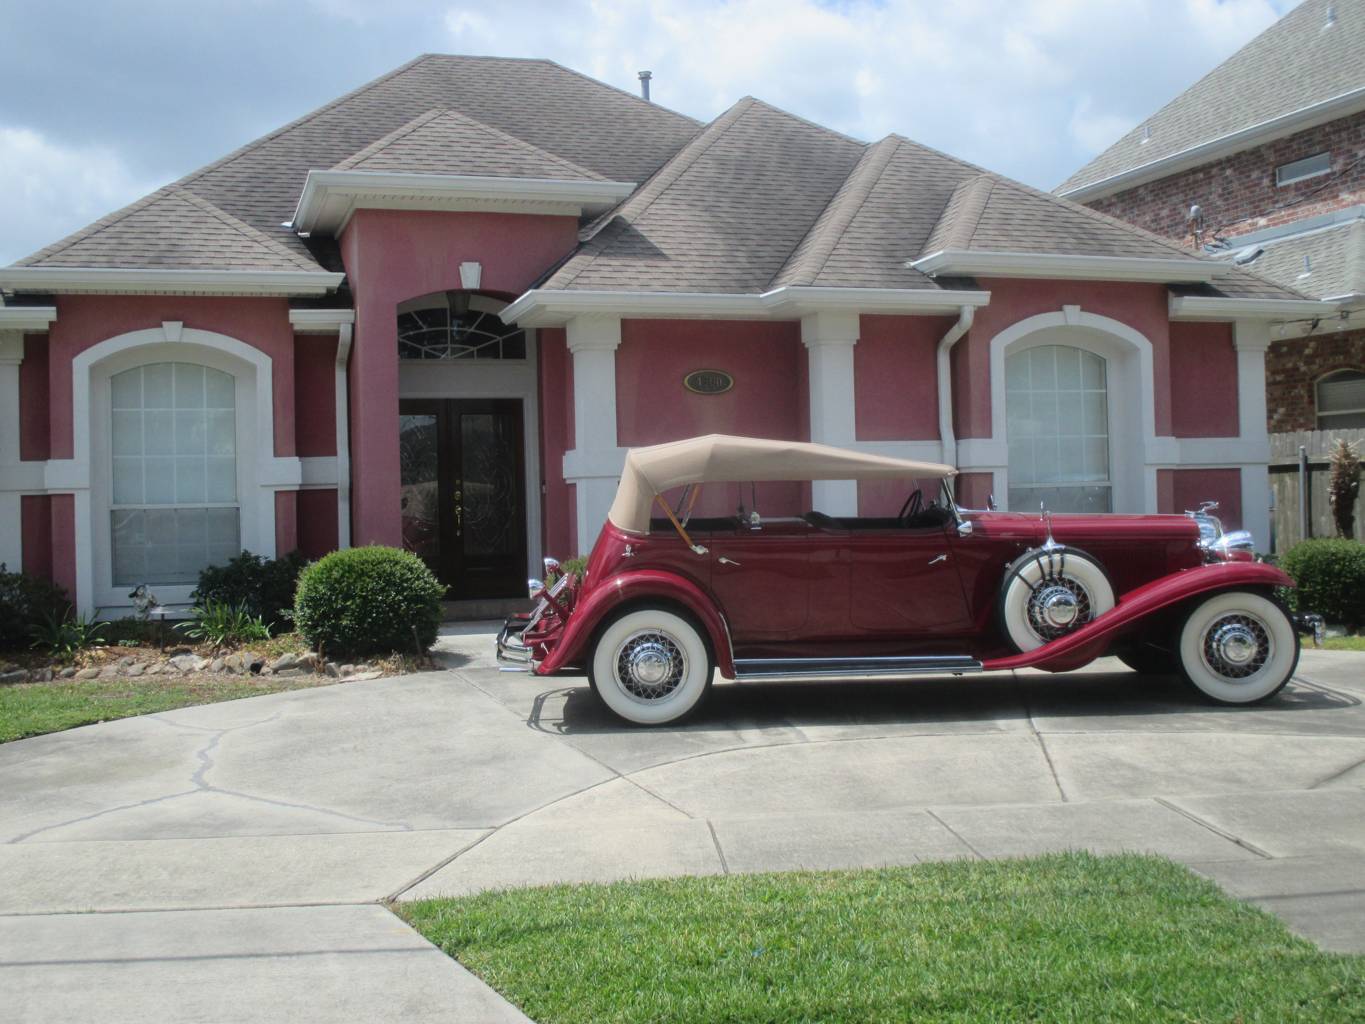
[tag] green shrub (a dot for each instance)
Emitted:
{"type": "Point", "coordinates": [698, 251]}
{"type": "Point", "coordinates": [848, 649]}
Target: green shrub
{"type": "Point", "coordinates": [1330, 574]}
{"type": "Point", "coordinates": [371, 600]}
{"type": "Point", "coordinates": [263, 586]}
{"type": "Point", "coordinates": [64, 636]}
{"type": "Point", "coordinates": [219, 624]}
{"type": "Point", "coordinates": [26, 604]}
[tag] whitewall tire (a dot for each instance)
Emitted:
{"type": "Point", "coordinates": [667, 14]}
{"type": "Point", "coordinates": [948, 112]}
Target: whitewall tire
{"type": "Point", "coordinates": [1237, 647]}
{"type": "Point", "coordinates": [651, 666]}
{"type": "Point", "coordinates": [1048, 593]}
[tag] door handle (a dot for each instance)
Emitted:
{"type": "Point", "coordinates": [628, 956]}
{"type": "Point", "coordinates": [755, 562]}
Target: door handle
{"type": "Point", "coordinates": [726, 561]}
{"type": "Point", "coordinates": [459, 510]}
{"type": "Point", "coordinates": [940, 558]}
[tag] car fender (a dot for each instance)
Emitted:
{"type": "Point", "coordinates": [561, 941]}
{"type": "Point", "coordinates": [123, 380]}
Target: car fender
{"type": "Point", "coordinates": [1091, 640]}
{"type": "Point", "coordinates": [629, 588]}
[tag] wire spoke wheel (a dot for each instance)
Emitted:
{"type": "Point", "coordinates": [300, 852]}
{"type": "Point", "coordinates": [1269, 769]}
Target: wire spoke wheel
{"type": "Point", "coordinates": [1237, 646]}
{"type": "Point", "coordinates": [1057, 605]}
{"type": "Point", "coordinates": [650, 665]}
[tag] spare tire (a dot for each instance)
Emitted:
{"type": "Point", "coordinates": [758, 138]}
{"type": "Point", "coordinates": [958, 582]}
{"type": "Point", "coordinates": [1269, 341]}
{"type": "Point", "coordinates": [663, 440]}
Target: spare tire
{"type": "Point", "coordinates": [1049, 592]}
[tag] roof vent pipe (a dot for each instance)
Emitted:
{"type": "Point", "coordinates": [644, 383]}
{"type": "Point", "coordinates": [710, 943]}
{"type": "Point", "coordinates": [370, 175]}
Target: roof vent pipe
{"type": "Point", "coordinates": [945, 383]}
{"type": "Point", "coordinates": [645, 76]}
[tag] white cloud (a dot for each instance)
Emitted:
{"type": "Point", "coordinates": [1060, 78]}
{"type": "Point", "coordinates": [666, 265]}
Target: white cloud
{"type": "Point", "coordinates": [48, 190]}
{"type": "Point", "coordinates": [1032, 88]}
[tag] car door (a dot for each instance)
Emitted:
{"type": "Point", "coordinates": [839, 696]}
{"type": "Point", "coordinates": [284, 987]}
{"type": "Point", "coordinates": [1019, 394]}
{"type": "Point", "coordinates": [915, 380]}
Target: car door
{"type": "Point", "coordinates": [762, 579]}
{"type": "Point", "coordinates": [905, 582]}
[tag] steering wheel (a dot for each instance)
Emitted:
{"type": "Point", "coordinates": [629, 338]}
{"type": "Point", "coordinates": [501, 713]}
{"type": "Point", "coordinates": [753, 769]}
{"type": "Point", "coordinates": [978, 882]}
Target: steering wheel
{"type": "Point", "coordinates": [912, 506]}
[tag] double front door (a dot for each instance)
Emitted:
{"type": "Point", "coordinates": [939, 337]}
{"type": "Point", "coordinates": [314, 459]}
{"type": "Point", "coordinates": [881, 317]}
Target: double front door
{"type": "Point", "coordinates": [463, 492]}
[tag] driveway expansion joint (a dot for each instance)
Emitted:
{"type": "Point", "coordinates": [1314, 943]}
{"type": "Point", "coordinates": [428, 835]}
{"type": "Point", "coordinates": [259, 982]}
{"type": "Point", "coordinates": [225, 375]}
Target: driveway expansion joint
{"type": "Point", "coordinates": [1224, 833]}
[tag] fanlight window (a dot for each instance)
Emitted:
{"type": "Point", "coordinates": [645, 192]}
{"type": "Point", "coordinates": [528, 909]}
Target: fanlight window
{"type": "Point", "coordinates": [1057, 415]}
{"type": "Point", "coordinates": [175, 508]}
{"type": "Point", "coordinates": [1341, 400]}
{"type": "Point", "coordinates": [451, 326]}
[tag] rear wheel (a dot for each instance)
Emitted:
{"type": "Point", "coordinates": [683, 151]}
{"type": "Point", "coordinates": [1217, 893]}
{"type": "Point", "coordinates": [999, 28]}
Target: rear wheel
{"type": "Point", "coordinates": [1238, 647]}
{"type": "Point", "coordinates": [651, 666]}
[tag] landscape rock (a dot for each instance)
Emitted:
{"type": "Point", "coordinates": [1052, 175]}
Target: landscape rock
{"type": "Point", "coordinates": [188, 663]}
{"type": "Point", "coordinates": [42, 675]}
{"type": "Point", "coordinates": [285, 661]}
{"type": "Point", "coordinates": [287, 673]}
{"type": "Point", "coordinates": [110, 672]}
{"type": "Point", "coordinates": [68, 673]}
{"type": "Point", "coordinates": [216, 665]}
{"type": "Point", "coordinates": [18, 675]}
{"type": "Point", "coordinates": [332, 669]}
{"type": "Point", "coordinates": [362, 676]}
{"type": "Point", "coordinates": [347, 671]}
{"type": "Point", "coordinates": [132, 670]}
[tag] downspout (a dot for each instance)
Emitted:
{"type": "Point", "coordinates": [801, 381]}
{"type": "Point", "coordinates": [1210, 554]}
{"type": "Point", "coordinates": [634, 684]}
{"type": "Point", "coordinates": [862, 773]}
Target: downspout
{"type": "Point", "coordinates": [945, 383]}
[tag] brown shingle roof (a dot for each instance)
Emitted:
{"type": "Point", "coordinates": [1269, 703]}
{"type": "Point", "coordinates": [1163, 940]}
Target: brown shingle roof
{"type": "Point", "coordinates": [171, 229]}
{"type": "Point", "coordinates": [448, 142]}
{"type": "Point", "coordinates": [565, 114]}
{"type": "Point", "coordinates": [1296, 63]}
{"type": "Point", "coordinates": [725, 214]}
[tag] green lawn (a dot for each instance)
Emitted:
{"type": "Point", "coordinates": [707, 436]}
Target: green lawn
{"type": "Point", "coordinates": [1344, 643]}
{"type": "Point", "coordinates": [1064, 938]}
{"type": "Point", "coordinates": [31, 709]}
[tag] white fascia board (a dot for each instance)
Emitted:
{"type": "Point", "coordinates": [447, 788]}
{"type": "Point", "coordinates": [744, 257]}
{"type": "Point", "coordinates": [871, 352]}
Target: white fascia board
{"type": "Point", "coordinates": [26, 318]}
{"type": "Point", "coordinates": [1343, 105]}
{"type": "Point", "coordinates": [330, 197]}
{"type": "Point", "coordinates": [320, 321]}
{"type": "Point", "coordinates": [102, 281]}
{"type": "Point", "coordinates": [1177, 270]}
{"type": "Point", "coordinates": [542, 307]}
{"type": "Point", "coordinates": [1203, 307]}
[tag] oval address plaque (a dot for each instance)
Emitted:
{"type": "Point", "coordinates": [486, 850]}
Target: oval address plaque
{"type": "Point", "coordinates": [708, 382]}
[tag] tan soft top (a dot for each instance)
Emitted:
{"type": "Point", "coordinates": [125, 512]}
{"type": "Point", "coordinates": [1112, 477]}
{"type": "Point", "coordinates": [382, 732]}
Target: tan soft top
{"type": "Point", "coordinates": [720, 458]}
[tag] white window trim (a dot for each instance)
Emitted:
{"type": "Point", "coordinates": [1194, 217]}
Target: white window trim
{"type": "Point", "coordinates": [1318, 414]}
{"type": "Point", "coordinates": [87, 474]}
{"type": "Point", "coordinates": [1282, 182]}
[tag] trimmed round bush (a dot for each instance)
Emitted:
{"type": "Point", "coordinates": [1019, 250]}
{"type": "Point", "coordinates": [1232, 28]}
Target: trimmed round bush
{"type": "Point", "coordinates": [371, 600]}
{"type": "Point", "coordinates": [1330, 573]}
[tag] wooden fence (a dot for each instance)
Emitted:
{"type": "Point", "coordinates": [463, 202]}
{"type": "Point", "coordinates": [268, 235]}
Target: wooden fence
{"type": "Point", "coordinates": [1284, 485]}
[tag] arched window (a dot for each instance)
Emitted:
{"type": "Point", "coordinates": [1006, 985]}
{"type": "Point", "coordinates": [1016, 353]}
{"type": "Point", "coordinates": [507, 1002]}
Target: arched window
{"type": "Point", "coordinates": [457, 325]}
{"type": "Point", "coordinates": [1057, 418]}
{"type": "Point", "coordinates": [174, 507]}
{"type": "Point", "coordinates": [1341, 400]}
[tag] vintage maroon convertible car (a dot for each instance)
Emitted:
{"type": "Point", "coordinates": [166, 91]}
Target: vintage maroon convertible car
{"type": "Point", "coordinates": [664, 602]}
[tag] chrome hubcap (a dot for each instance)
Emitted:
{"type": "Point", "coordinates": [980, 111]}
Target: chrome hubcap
{"type": "Point", "coordinates": [1057, 605]}
{"type": "Point", "coordinates": [1237, 646]}
{"type": "Point", "coordinates": [650, 665]}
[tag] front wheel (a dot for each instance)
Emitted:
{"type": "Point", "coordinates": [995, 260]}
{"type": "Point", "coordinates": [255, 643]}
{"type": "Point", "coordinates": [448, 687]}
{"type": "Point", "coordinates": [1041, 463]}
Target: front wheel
{"type": "Point", "coordinates": [651, 666]}
{"type": "Point", "coordinates": [1238, 647]}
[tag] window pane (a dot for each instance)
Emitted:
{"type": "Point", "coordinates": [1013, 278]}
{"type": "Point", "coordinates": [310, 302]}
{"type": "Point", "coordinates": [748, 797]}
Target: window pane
{"type": "Point", "coordinates": [189, 386]}
{"type": "Point", "coordinates": [160, 481]}
{"type": "Point", "coordinates": [157, 386]}
{"type": "Point", "coordinates": [220, 390]}
{"type": "Point", "coordinates": [170, 546]}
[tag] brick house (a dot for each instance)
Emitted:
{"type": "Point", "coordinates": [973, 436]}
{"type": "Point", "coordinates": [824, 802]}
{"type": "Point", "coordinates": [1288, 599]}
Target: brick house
{"type": "Point", "coordinates": [1262, 163]}
{"type": "Point", "coordinates": [438, 310]}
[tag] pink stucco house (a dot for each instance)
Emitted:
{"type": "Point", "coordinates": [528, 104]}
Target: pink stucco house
{"type": "Point", "coordinates": [436, 312]}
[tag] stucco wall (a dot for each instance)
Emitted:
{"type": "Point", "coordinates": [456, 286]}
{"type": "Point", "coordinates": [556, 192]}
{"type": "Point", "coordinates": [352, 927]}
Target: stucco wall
{"type": "Point", "coordinates": [1180, 490]}
{"type": "Point", "coordinates": [896, 377]}
{"type": "Point", "coordinates": [1203, 380]}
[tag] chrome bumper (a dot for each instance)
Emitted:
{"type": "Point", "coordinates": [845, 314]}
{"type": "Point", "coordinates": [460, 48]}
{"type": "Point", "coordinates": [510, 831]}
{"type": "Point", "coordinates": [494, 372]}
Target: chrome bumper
{"type": "Point", "coordinates": [513, 655]}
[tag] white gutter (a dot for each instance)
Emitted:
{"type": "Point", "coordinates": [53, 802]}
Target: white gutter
{"type": "Point", "coordinates": [103, 281]}
{"type": "Point", "coordinates": [1245, 138]}
{"type": "Point", "coordinates": [967, 262]}
{"type": "Point", "coordinates": [1202, 307]}
{"type": "Point", "coordinates": [544, 307]}
{"type": "Point", "coordinates": [945, 383]}
{"type": "Point", "coordinates": [330, 197]}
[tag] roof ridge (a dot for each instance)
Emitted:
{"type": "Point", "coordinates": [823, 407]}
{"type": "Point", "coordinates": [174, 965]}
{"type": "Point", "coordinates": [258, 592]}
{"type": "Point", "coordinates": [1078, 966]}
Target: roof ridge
{"type": "Point", "coordinates": [617, 88]}
{"type": "Point", "coordinates": [639, 202]}
{"type": "Point", "coordinates": [436, 114]}
{"type": "Point", "coordinates": [825, 234]}
{"type": "Point", "coordinates": [242, 228]}
{"type": "Point", "coordinates": [825, 129]}
{"type": "Point", "coordinates": [957, 222]}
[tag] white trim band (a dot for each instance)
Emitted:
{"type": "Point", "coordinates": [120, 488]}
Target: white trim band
{"type": "Point", "coordinates": [957, 262]}
{"type": "Point", "coordinates": [104, 281]}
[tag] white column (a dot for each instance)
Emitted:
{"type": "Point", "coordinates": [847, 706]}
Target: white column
{"type": "Point", "coordinates": [594, 466]}
{"type": "Point", "coordinates": [343, 431]}
{"type": "Point", "coordinates": [1252, 338]}
{"type": "Point", "coordinates": [829, 340]}
{"type": "Point", "coordinates": [11, 536]}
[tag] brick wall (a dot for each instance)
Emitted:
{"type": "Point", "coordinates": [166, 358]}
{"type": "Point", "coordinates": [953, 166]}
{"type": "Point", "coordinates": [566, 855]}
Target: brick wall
{"type": "Point", "coordinates": [1238, 193]}
{"type": "Point", "coordinates": [1294, 365]}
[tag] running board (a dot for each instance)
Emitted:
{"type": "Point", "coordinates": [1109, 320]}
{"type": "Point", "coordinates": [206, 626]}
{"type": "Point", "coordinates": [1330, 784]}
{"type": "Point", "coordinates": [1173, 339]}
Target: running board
{"type": "Point", "coordinates": [853, 668]}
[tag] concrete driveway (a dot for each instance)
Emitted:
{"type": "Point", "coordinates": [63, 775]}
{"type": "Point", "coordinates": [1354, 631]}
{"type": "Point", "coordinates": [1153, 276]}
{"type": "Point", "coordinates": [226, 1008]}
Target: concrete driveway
{"type": "Point", "coordinates": [234, 853]}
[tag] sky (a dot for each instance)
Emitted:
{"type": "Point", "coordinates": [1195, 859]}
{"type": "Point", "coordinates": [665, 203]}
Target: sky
{"type": "Point", "coordinates": [103, 101]}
